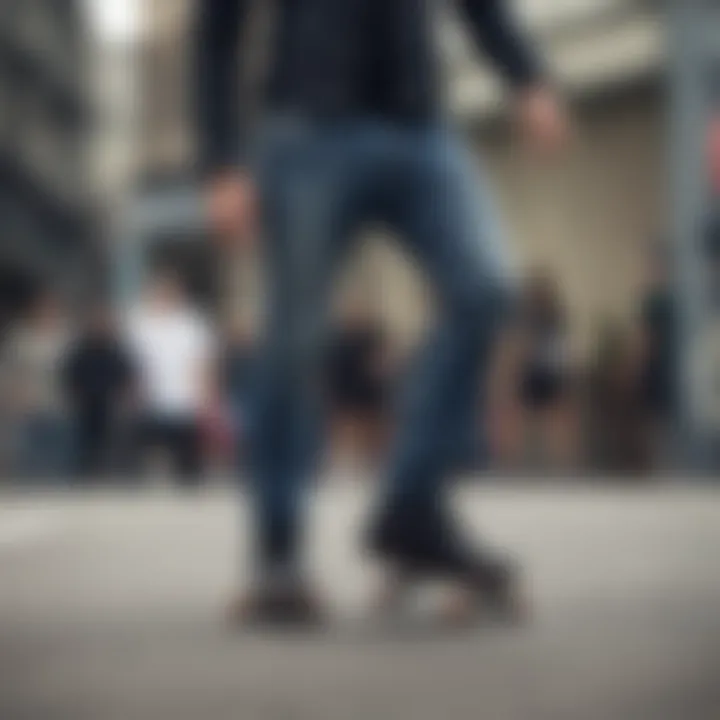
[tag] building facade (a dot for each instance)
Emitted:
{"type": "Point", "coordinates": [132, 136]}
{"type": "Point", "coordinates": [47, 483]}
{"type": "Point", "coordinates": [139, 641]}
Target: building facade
{"type": "Point", "coordinates": [46, 206]}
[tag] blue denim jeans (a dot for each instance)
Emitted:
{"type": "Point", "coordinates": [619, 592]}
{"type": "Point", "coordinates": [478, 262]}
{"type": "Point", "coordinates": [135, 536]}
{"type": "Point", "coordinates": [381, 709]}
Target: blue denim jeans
{"type": "Point", "coordinates": [319, 183]}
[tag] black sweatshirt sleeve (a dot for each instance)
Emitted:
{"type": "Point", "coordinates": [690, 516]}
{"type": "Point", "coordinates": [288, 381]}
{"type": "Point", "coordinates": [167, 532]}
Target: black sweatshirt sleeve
{"type": "Point", "coordinates": [497, 33]}
{"type": "Point", "coordinates": [216, 80]}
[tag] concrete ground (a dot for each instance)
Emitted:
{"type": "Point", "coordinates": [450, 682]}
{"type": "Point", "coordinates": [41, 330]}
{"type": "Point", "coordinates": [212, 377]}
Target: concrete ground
{"type": "Point", "coordinates": [110, 609]}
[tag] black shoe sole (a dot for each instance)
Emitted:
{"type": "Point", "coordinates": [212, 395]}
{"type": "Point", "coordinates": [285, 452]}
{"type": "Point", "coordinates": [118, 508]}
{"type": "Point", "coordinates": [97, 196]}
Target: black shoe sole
{"type": "Point", "coordinates": [276, 612]}
{"type": "Point", "coordinates": [416, 557]}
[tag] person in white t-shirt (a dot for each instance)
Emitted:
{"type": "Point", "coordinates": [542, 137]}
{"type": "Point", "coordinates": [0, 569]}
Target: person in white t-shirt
{"type": "Point", "coordinates": [174, 349]}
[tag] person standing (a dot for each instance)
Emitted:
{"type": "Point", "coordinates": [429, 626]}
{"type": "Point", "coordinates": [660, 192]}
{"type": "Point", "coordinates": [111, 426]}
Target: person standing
{"type": "Point", "coordinates": [539, 414]}
{"type": "Point", "coordinates": [659, 361]}
{"type": "Point", "coordinates": [173, 348]}
{"type": "Point", "coordinates": [358, 379]}
{"type": "Point", "coordinates": [33, 360]}
{"type": "Point", "coordinates": [356, 132]}
{"type": "Point", "coordinates": [98, 377]}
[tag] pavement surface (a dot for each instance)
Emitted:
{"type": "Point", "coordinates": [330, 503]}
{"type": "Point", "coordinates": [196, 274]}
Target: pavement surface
{"type": "Point", "coordinates": [111, 609]}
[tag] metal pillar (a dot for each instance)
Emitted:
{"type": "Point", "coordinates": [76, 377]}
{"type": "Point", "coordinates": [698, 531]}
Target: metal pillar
{"type": "Point", "coordinates": [694, 31]}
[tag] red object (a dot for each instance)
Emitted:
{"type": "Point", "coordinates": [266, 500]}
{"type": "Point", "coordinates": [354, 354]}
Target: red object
{"type": "Point", "coordinates": [713, 149]}
{"type": "Point", "coordinates": [217, 432]}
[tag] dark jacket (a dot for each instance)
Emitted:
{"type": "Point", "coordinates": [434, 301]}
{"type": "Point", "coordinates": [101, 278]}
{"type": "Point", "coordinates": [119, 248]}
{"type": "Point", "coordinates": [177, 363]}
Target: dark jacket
{"type": "Point", "coordinates": [96, 373]}
{"type": "Point", "coordinates": [335, 58]}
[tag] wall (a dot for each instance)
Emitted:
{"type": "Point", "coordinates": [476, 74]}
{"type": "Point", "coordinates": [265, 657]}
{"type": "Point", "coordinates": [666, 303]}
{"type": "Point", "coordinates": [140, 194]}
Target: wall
{"type": "Point", "coordinates": [587, 216]}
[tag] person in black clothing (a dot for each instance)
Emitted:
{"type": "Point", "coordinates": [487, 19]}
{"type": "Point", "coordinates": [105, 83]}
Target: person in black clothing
{"type": "Point", "coordinates": [356, 132]}
{"type": "Point", "coordinates": [533, 413]}
{"type": "Point", "coordinates": [99, 376]}
{"type": "Point", "coordinates": [660, 368]}
{"type": "Point", "coordinates": [358, 375]}
{"type": "Point", "coordinates": [712, 253]}
{"type": "Point", "coordinates": [545, 382]}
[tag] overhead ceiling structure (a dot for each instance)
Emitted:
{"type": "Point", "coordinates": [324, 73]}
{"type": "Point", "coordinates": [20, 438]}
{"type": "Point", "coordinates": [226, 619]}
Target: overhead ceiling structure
{"type": "Point", "coordinates": [589, 44]}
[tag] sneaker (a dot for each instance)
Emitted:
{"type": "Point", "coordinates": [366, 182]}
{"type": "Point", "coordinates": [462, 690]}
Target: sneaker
{"type": "Point", "coordinates": [289, 606]}
{"type": "Point", "coordinates": [430, 545]}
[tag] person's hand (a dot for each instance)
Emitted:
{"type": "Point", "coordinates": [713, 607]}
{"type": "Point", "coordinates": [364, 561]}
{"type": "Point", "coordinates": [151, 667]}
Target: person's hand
{"type": "Point", "coordinates": [232, 206]}
{"type": "Point", "coordinates": [542, 118]}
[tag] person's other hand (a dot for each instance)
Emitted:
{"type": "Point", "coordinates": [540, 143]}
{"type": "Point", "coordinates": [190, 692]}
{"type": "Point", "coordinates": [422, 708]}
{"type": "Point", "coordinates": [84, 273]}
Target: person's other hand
{"type": "Point", "coordinates": [232, 206]}
{"type": "Point", "coordinates": [542, 118]}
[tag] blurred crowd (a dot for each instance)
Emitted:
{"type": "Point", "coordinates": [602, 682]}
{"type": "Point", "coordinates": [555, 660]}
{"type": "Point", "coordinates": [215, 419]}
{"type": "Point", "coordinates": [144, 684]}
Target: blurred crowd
{"type": "Point", "coordinates": [111, 393]}
{"type": "Point", "coordinates": [162, 390]}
